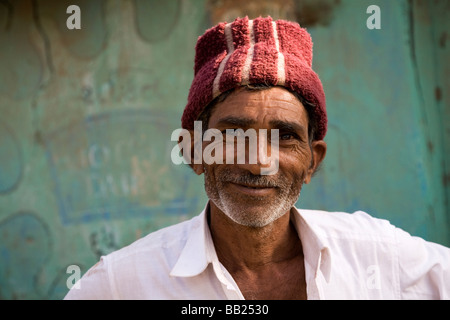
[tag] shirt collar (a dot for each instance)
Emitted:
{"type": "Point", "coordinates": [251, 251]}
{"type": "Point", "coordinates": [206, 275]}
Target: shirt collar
{"type": "Point", "coordinates": [315, 250]}
{"type": "Point", "coordinates": [199, 250]}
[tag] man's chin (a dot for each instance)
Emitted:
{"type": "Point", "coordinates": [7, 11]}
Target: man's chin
{"type": "Point", "coordinates": [251, 212]}
{"type": "Point", "coordinates": [253, 221]}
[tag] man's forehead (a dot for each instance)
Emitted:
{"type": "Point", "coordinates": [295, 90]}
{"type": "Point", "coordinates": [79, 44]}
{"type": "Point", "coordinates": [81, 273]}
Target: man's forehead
{"type": "Point", "coordinates": [268, 105]}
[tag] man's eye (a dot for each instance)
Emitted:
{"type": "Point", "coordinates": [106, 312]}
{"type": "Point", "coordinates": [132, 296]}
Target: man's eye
{"type": "Point", "coordinates": [287, 136]}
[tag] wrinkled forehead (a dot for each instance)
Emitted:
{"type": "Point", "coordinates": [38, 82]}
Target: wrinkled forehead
{"type": "Point", "coordinates": [259, 108]}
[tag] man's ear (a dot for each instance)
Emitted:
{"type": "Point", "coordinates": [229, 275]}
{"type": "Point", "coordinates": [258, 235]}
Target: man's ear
{"type": "Point", "coordinates": [319, 150]}
{"type": "Point", "coordinates": [191, 152]}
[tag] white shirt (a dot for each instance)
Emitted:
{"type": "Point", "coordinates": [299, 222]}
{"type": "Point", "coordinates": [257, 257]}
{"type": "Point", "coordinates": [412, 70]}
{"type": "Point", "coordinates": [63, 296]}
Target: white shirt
{"type": "Point", "coordinates": [346, 256]}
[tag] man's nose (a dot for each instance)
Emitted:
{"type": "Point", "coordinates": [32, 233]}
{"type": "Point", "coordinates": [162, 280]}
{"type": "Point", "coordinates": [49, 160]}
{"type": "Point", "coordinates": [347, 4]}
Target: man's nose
{"type": "Point", "coordinates": [258, 158]}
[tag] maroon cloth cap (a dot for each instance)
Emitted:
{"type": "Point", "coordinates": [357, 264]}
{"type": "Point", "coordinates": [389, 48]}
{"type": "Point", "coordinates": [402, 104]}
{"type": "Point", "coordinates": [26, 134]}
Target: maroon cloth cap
{"type": "Point", "coordinates": [259, 51]}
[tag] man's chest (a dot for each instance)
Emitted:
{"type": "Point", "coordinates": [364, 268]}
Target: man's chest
{"type": "Point", "coordinates": [283, 282]}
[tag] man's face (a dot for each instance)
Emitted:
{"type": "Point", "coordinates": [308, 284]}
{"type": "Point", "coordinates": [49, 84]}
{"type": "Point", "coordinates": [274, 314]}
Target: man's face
{"type": "Point", "coordinates": [239, 190]}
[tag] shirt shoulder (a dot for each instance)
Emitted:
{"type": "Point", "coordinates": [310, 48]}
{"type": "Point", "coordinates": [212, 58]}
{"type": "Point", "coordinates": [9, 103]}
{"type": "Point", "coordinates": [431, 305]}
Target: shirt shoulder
{"type": "Point", "coordinates": [352, 226]}
{"type": "Point", "coordinates": [167, 239]}
{"type": "Point", "coordinates": [133, 271]}
{"type": "Point", "coordinates": [382, 256]}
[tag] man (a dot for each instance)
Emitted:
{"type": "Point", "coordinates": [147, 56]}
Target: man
{"type": "Point", "coordinates": [250, 242]}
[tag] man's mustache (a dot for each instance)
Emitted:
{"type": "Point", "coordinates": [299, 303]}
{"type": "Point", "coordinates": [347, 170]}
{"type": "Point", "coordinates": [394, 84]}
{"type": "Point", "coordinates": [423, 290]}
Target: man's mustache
{"type": "Point", "coordinates": [247, 178]}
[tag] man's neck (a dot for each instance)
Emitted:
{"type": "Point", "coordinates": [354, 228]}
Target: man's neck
{"type": "Point", "coordinates": [248, 248]}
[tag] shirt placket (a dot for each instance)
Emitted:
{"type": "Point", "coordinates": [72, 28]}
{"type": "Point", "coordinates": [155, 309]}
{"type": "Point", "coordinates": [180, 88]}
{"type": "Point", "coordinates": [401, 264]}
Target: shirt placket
{"type": "Point", "coordinates": [229, 286]}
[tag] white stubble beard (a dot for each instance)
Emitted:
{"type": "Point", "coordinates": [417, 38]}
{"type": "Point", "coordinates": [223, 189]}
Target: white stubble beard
{"type": "Point", "coordinates": [267, 213]}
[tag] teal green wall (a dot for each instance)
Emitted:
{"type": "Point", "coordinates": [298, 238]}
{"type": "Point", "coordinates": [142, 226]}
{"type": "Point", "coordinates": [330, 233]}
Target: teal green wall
{"type": "Point", "coordinates": [86, 118]}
